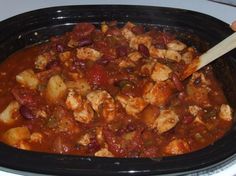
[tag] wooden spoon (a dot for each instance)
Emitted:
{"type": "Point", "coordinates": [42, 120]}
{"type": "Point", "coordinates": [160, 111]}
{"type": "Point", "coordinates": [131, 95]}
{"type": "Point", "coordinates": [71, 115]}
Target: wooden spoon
{"type": "Point", "coordinates": [214, 53]}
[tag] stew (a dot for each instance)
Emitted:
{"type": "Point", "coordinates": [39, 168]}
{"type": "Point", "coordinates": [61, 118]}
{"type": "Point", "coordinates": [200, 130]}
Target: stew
{"type": "Point", "coordinates": [110, 91]}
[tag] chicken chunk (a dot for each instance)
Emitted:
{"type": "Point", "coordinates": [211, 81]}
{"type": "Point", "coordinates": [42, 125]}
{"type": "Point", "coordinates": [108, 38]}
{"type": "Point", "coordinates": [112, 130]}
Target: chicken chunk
{"type": "Point", "coordinates": [165, 121]}
{"type": "Point", "coordinates": [73, 101]}
{"type": "Point", "coordinates": [104, 152]}
{"type": "Point", "coordinates": [80, 85]}
{"type": "Point", "coordinates": [160, 72]}
{"type": "Point", "coordinates": [187, 57]}
{"type": "Point", "coordinates": [15, 135]}
{"type": "Point", "coordinates": [158, 94]}
{"type": "Point", "coordinates": [126, 63]}
{"type": "Point", "coordinates": [84, 114]}
{"type": "Point", "coordinates": [84, 140]}
{"type": "Point", "coordinates": [127, 32]}
{"type": "Point", "coordinates": [198, 90]}
{"type": "Point", "coordinates": [99, 97]}
{"type": "Point", "coordinates": [177, 147]}
{"type": "Point", "coordinates": [157, 53]}
{"type": "Point", "coordinates": [173, 55]}
{"type": "Point", "coordinates": [28, 78]}
{"type": "Point", "coordinates": [147, 68]}
{"type": "Point", "coordinates": [36, 137]}
{"type": "Point", "coordinates": [134, 56]}
{"type": "Point", "coordinates": [140, 39]}
{"type": "Point", "coordinates": [65, 56]}
{"type": "Point", "coordinates": [7, 115]}
{"type": "Point", "coordinates": [42, 60]}
{"type": "Point", "coordinates": [176, 45]}
{"type": "Point", "coordinates": [225, 112]}
{"type": "Point", "coordinates": [88, 54]}
{"type": "Point", "coordinates": [132, 105]}
{"type": "Point", "coordinates": [194, 110]}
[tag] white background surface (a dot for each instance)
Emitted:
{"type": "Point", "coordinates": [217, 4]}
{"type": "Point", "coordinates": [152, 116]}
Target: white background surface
{"type": "Point", "coordinates": [9, 8]}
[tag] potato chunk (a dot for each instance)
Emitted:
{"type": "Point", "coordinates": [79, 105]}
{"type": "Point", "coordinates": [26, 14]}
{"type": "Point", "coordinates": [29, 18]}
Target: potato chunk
{"type": "Point", "coordinates": [28, 78]}
{"type": "Point", "coordinates": [6, 115]}
{"type": "Point", "coordinates": [14, 136]}
{"type": "Point", "coordinates": [165, 121]}
{"type": "Point", "coordinates": [56, 89]}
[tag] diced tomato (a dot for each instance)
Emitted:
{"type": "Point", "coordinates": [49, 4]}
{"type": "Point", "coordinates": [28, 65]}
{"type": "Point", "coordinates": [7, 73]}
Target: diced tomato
{"type": "Point", "coordinates": [97, 75]}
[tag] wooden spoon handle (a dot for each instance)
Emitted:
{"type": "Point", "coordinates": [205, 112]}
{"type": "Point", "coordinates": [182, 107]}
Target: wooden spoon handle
{"type": "Point", "coordinates": [215, 52]}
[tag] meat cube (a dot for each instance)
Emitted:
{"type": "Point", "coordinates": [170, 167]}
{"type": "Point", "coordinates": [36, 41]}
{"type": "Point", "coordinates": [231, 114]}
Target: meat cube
{"type": "Point", "coordinates": [160, 72]}
{"type": "Point", "coordinates": [176, 45]}
{"type": "Point", "coordinates": [104, 152]}
{"type": "Point", "coordinates": [225, 112]}
{"type": "Point", "coordinates": [42, 60]}
{"type": "Point", "coordinates": [132, 105]}
{"type": "Point", "coordinates": [55, 89]}
{"type": "Point", "coordinates": [7, 115]}
{"type": "Point", "coordinates": [158, 94]}
{"type": "Point", "coordinates": [140, 39]}
{"type": "Point", "coordinates": [28, 78]}
{"type": "Point", "coordinates": [88, 54]}
{"type": "Point", "coordinates": [85, 114]}
{"type": "Point", "coordinates": [177, 147]}
{"type": "Point", "coordinates": [165, 121]}
{"type": "Point", "coordinates": [15, 135]}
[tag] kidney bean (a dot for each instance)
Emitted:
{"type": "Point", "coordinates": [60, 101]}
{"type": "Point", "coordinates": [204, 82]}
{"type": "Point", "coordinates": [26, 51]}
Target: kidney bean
{"type": "Point", "coordinates": [121, 51]}
{"type": "Point", "coordinates": [59, 48]}
{"type": "Point", "coordinates": [138, 30]}
{"type": "Point", "coordinates": [178, 84]}
{"type": "Point", "coordinates": [85, 42]}
{"type": "Point", "coordinates": [181, 96]}
{"type": "Point", "coordinates": [103, 61]}
{"type": "Point", "coordinates": [53, 63]}
{"type": "Point", "coordinates": [26, 112]}
{"type": "Point", "coordinates": [143, 50]}
{"type": "Point", "coordinates": [197, 81]}
{"type": "Point", "coordinates": [187, 119]}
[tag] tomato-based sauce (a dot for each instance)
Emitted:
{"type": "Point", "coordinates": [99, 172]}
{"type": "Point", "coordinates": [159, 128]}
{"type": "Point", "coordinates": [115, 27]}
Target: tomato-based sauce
{"type": "Point", "coordinates": [110, 92]}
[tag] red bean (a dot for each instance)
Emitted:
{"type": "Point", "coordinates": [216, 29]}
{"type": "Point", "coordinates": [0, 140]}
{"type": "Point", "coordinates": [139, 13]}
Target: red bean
{"type": "Point", "coordinates": [138, 30]}
{"type": "Point", "coordinates": [85, 42]}
{"type": "Point", "coordinates": [53, 63]}
{"type": "Point", "coordinates": [59, 48]}
{"type": "Point", "coordinates": [26, 112]}
{"type": "Point", "coordinates": [182, 96]}
{"type": "Point", "coordinates": [143, 50]}
{"type": "Point", "coordinates": [121, 51]}
{"type": "Point", "coordinates": [187, 119]}
{"type": "Point", "coordinates": [178, 84]}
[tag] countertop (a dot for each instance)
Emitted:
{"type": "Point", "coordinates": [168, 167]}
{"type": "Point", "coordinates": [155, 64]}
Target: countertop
{"type": "Point", "coordinates": [223, 12]}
